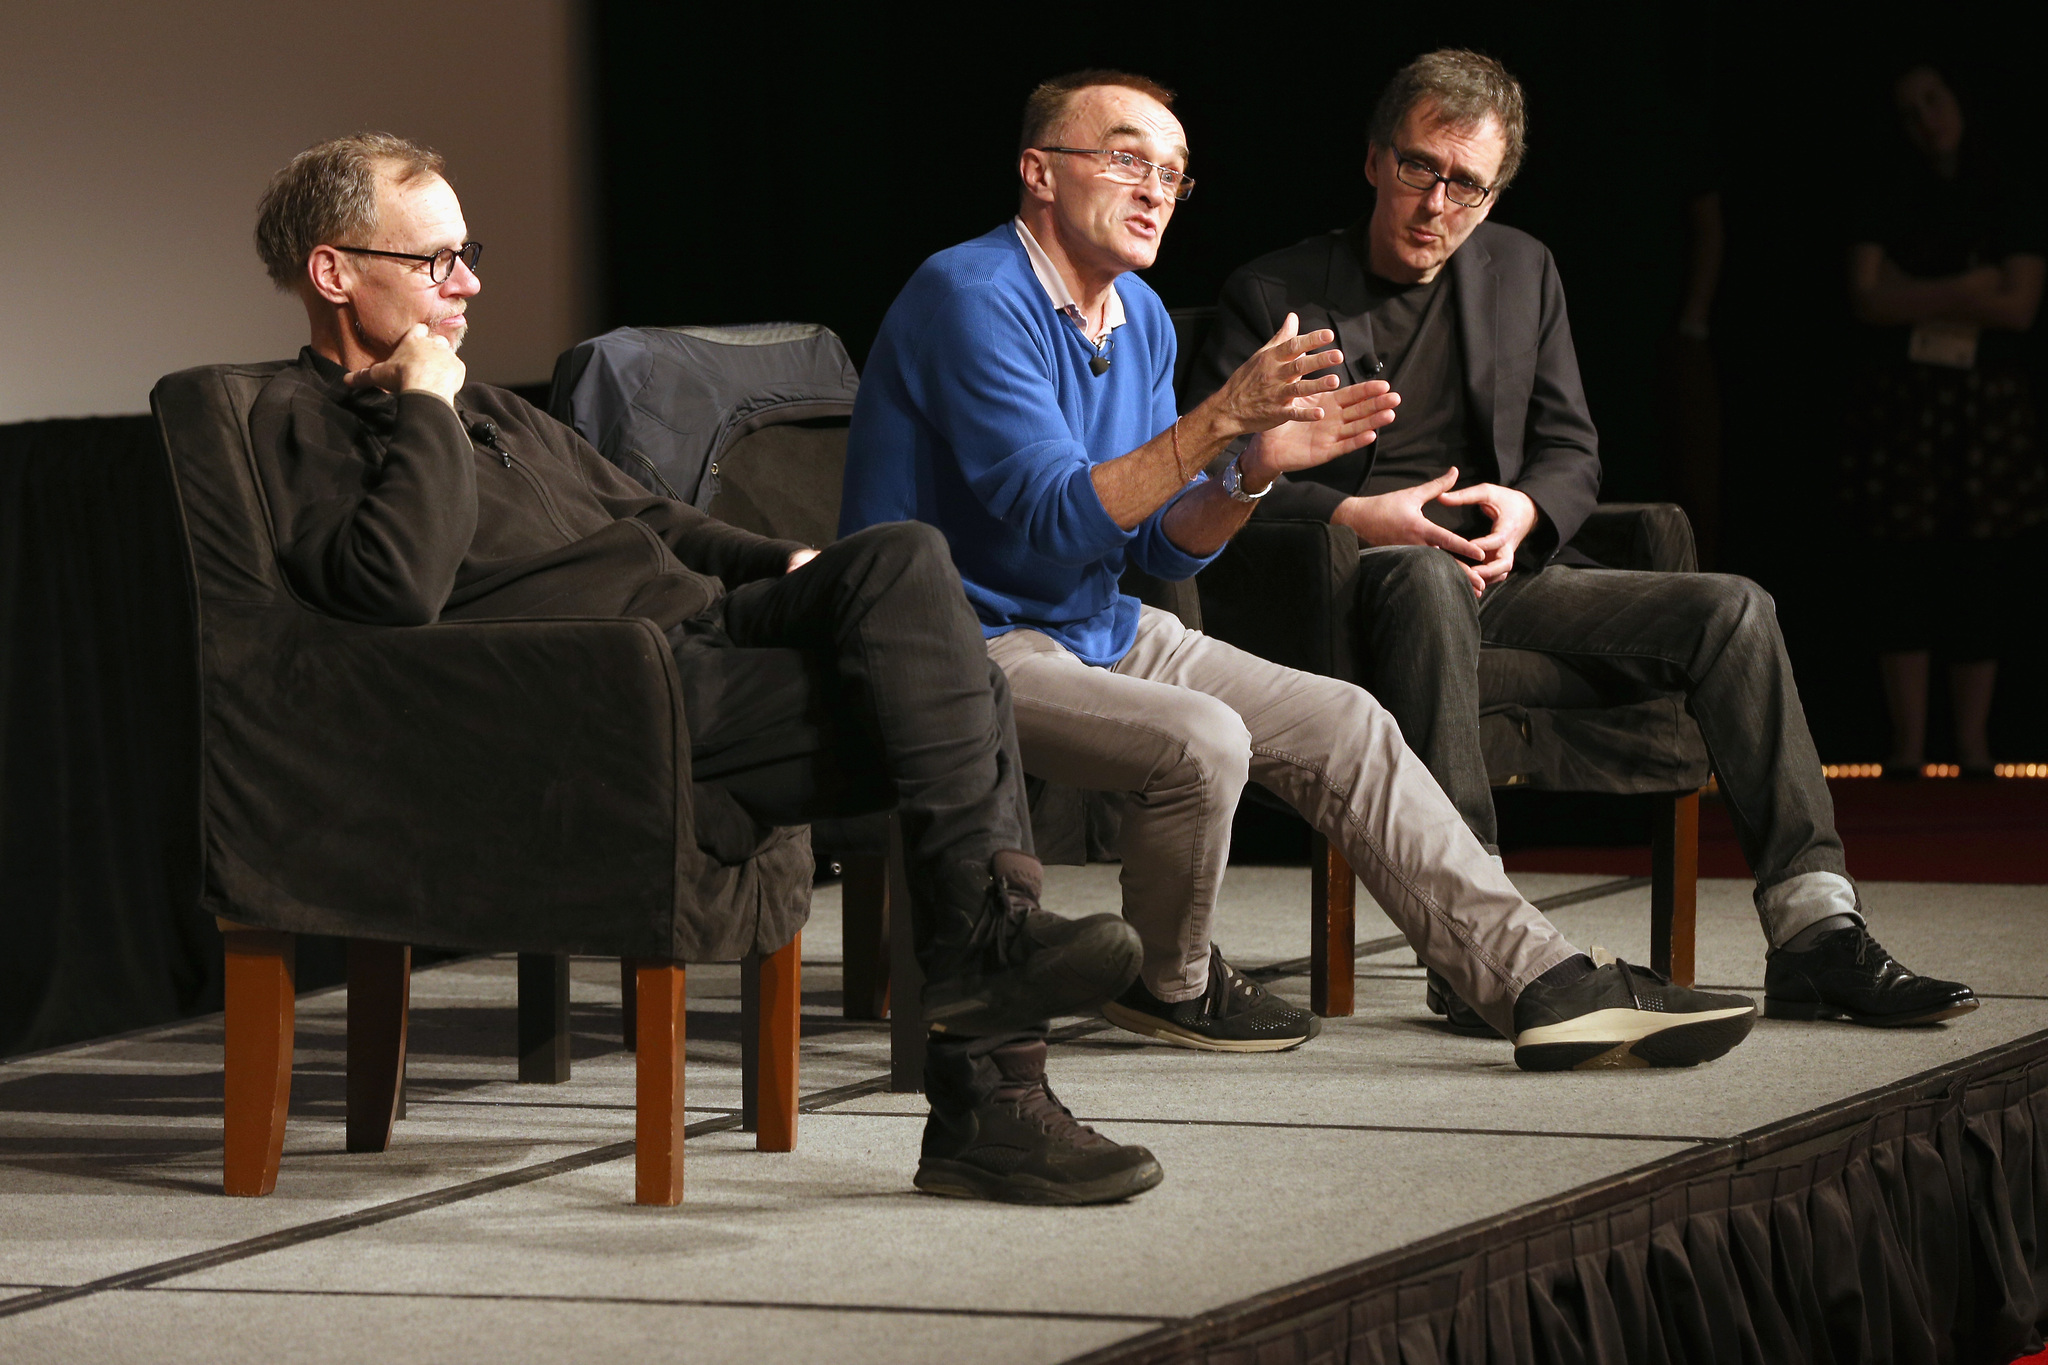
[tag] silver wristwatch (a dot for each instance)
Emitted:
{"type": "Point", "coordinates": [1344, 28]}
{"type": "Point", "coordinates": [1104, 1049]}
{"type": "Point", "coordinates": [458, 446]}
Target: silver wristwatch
{"type": "Point", "coordinates": [1233, 483]}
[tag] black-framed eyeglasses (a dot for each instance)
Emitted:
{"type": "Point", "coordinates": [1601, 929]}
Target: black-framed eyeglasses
{"type": "Point", "coordinates": [1417, 175]}
{"type": "Point", "coordinates": [1128, 168]}
{"type": "Point", "coordinates": [440, 265]}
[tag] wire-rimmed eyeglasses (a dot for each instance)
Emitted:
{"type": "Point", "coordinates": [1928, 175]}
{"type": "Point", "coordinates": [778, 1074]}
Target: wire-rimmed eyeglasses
{"type": "Point", "coordinates": [1128, 168]}
{"type": "Point", "coordinates": [440, 265]}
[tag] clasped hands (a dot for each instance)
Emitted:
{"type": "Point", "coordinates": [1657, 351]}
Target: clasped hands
{"type": "Point", "coordinates": [1397, 518]}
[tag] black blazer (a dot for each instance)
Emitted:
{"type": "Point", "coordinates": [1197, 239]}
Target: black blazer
{"type": "Point", "coordinates": [1522, 375]}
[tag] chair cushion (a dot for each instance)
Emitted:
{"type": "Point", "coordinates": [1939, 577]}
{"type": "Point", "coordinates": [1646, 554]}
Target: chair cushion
{"type": "Point", "coordinates": [1645, 746]}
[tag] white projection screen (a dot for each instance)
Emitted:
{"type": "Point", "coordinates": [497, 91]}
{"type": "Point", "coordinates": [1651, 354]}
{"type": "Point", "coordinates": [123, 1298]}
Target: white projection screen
{"type": "Point", "coordinates": [135, 138]}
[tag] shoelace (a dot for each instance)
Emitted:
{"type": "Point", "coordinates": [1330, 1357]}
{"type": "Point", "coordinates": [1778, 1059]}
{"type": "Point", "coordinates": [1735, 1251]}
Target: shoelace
{"type": "Point", "coordinates": [1222, 986]}
{"type": "Point", "coordinates": [1889, 969]}
{"type": "Point", "coordinates": [1002, 928]}
{"type": "Point", "coordinates": [1041, 1106]}
{"type": "Point", "coordinates": [1630, 972]}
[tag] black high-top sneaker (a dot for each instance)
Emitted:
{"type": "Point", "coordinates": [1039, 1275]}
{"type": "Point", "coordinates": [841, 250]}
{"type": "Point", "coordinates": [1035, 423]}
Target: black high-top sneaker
{"type": "Point", "coordinates": [1022, 1146]}
{"type": "Point", "coordinates": [1000, 963]}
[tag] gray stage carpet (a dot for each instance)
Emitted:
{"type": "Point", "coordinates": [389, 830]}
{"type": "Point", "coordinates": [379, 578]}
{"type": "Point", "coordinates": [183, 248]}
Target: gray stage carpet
{"type": "Point", "coordinates": [500, 1224]}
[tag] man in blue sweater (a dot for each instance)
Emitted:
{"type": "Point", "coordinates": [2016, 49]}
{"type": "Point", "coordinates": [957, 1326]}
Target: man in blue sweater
{"type": "Point", "coordinates": [1019, 397]}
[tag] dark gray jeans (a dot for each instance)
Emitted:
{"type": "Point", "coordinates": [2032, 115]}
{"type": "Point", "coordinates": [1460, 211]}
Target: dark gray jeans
{"type": "Point", "coordinates": [1713, 637]}
{"type": "Point", "coordinates": [857, 683]}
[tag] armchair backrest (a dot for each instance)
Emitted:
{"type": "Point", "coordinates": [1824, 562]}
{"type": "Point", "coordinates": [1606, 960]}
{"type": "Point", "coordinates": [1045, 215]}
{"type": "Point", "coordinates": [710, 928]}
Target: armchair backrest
{"type": "Point", "coordinates": [230, 542]}
{"type": "Point", "coordinates": [747, 423]}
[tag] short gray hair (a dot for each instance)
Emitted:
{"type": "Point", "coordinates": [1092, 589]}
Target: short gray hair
{"type": "Point", "coordinates": [327, 194]}
{"type": "Point", "coordinates": [1465, 86]}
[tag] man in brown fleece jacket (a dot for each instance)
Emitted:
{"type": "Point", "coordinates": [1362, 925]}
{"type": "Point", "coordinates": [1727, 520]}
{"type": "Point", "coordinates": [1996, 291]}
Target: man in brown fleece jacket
{"type": "Point", "coordinates": [815, 682]}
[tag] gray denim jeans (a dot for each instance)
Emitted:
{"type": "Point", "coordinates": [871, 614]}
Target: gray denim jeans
{"type": "Point", "coordinates": [1183, 721]}
{"type": "Point", "coordinates": [1713, 637]}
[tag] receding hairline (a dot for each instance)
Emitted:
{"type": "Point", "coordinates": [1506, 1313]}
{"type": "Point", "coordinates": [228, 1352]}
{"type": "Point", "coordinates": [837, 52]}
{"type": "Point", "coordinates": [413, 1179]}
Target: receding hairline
{"type": "Point", "coordinates": [387, 183]}
{"type": "Point", "coordinates": [1126, 129]}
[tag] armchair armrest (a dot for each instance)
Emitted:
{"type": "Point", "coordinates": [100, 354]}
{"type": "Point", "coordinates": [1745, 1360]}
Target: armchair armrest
{"type": "Point", "coordinates": [1653, 536]}
{"type": "Point", "coordinates": [515, 779]}
{"type": "Point", "coordinates": [1282, 589]}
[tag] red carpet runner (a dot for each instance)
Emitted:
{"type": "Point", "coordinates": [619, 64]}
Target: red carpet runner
{"type": "Point", "coordinates": [1931, 830]}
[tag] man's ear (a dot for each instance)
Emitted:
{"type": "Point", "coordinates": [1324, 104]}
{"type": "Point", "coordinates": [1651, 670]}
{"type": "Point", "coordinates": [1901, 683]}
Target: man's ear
{"type": "Point", "coordinates": [1034, 168]}
{"type": "Point", "coordinates": [1372, 165]}
{"type": "Point", "coordinates": [329, 274]}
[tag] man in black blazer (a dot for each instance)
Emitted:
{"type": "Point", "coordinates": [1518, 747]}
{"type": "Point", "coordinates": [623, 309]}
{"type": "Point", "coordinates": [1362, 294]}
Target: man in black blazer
{"type": "Point", "coordinates": [1467, 504]}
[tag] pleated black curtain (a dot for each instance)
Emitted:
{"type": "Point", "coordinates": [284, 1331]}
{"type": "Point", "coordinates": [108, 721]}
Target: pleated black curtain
{"type": "Point", "coordinates": [1921, 1241]}
{"type": "Point", "coordinates": [98, 735]}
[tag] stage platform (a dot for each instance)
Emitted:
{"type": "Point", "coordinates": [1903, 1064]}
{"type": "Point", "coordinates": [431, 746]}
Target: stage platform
{"type": "Point", "coordinates": [499, 1226]}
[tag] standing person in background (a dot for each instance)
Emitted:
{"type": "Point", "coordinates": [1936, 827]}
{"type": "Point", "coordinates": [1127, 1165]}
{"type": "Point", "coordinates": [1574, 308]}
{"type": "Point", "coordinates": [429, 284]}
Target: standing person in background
{"type": "Point", "coordinates": [1943, 466]}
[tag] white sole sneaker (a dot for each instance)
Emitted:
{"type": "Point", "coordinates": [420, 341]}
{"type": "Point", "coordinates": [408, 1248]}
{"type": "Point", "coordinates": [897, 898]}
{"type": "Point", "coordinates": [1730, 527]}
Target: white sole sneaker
{"type": "Point", "coordinates": [1151, 1026]}
{"type": "Point", "coordinates": [1623, 1038]}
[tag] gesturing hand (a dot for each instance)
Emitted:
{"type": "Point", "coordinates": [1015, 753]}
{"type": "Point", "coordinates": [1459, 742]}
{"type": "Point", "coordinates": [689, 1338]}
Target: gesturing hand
{"type": "Point", "coordinates": [1514, 516]}
{"type": "Point", "coordinates": [1351, 419]}
{"type": "Point", "coordinates": [1396, 519]}
{"type": "Point", "coordinates": [1268, 388]}
{"type": "Point", "coordinates": [422, 362]}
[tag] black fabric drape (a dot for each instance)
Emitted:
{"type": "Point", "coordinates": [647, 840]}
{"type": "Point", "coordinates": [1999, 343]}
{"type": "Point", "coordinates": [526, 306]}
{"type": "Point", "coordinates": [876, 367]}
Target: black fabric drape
{"type": "Point", "coordinates": [98, 849]}
{"type": "Point", "coordinates": [1922, 1238]}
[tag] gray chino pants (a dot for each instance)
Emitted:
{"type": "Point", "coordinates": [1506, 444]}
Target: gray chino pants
{"type": "Point", "coordinates": [1183, 721]}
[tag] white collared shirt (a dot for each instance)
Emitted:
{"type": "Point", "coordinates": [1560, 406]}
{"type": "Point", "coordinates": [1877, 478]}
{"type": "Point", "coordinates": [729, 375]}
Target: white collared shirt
{"type": "Point", "coordinates": [1062, 299]}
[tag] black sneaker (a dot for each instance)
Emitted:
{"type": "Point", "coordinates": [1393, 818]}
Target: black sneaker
{"type": "Point", "coordinates": [1621, 1015]}
{"type": "Point", "coordinates": [1458, 1016]}
{"type": "Point", "coordinates": [1848, 975]}
{"type": "Point", "coordinates": [1028, 1148]}
{"type": "Point", "coordinates": [1235, 1014]}
{"type": "Point", "coordinates": [1016, 964]}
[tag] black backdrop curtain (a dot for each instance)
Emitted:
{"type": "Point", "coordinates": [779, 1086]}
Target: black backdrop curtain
{"type": "Point", "coordinates": [1922, 1238]}
{"type": "Point", "coordinates": [98, 732]}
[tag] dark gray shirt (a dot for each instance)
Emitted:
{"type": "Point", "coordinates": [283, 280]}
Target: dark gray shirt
{"type": "Point", "coordinates": [1413, 330]}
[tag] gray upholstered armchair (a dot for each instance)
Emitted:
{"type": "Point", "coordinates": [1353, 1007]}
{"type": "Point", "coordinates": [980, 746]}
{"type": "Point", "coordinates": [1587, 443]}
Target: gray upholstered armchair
{"type": "Point", "coordinates": [491, 785]}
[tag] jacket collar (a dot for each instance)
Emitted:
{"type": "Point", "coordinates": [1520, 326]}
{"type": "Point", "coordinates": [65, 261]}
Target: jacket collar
{"type": "Point", "coordinates": [375, 408]}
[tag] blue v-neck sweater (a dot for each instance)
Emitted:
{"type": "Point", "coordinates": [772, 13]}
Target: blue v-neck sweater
{"type": "Point", "coordinates": [978, 413]}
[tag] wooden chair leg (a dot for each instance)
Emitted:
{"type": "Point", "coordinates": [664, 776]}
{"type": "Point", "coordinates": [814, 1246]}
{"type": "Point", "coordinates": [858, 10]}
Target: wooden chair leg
{"type": "Point", "coordinates": [906, 980]}
{"type": "Point", "coordinates": [379, 991]}
{"type": "Point", "coordinates": [1332, 936]}
{"type": "Point", "coordinates": [629, 1007]}
{"type": "Point", "coordinates": [259, 1016]}
{"type": "Point", "coordinates": [1674, 885]}
{"type": "Point", "coordinates": [778, 1028]}
{"type": "Point", "coordinates": [750, 1042]}
{"type": "Point", "coordinates": [543, 1018]}
{"type": "Point", "coordinates": [865, 915]}
{"type": "Point", "coordinates": [658, 1067]}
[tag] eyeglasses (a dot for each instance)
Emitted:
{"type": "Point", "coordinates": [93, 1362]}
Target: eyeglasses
{"type": "Point", "coordinates": [1418, 176]}
{"type": "Point", "coordinates": [440, 265]}
{"type": "Point", "coordinates": [1128, 168]}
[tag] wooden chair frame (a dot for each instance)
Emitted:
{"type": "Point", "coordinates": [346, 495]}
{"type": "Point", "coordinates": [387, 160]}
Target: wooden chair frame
{"type": "Point", "coordinates": [259, 1033]}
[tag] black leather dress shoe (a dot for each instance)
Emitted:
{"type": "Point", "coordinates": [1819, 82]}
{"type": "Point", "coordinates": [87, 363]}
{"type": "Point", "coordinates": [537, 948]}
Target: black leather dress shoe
{"type": "Point", "coordinates": [1848, 975]}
